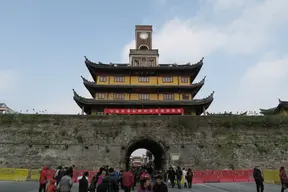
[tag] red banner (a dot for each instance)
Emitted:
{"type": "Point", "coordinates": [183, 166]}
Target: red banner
{"type": "Point", "coordinates": [157, 111]}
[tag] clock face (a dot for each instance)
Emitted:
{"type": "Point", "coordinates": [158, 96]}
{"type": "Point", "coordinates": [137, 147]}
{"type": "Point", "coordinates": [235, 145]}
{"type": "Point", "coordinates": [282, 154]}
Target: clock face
{"type": "Point", "coordinates": [143, 35]}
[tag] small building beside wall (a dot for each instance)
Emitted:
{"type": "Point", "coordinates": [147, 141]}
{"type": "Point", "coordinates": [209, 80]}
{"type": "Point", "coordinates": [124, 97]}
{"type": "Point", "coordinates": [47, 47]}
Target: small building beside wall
{"type": "Point", "coordinates": [281, 109]}
{"type": "Point", "coordinates": [4, 109]}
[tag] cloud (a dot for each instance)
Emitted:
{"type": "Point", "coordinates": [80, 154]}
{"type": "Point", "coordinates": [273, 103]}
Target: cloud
{"type": "Point", "coordinates": [223, 5]}
{"type": "Point", "coordinates": [190, 39]}
{"type": "Point", "coordinates": [8, 80]}
{"type": "Point", "coordinates": [266, 72]}
{"type": "Point", "coordinates": [265, 82]}
{"type": "Point", "coordinates": [250, 29]}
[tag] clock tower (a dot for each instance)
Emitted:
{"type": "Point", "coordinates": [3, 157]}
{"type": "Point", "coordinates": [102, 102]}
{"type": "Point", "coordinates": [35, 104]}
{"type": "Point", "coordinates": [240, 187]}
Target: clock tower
{"type": "Point", "coordinates": [143, 55]}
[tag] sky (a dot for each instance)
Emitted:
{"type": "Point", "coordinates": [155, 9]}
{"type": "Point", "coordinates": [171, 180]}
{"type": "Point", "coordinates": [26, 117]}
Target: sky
{"type": "Point", "coordinates": [43, 44]}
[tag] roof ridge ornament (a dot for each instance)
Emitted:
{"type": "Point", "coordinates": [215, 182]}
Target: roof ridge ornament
{"type": "Point", "coordinates": [84, 79]}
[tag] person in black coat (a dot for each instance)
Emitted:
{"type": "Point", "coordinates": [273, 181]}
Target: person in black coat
{"type": "Point", "coordinates": [171, 176]}
{"type": "Point", "coordinates": [257, 174]}
{"type": "Point", "coordinates": [189, 178]}
{"type": "Point", "coordinates": [159, 186]}
{"type": "Point", "coordinates": [179, 174]}
{"type": "Point", "coordinates": [83, 183]}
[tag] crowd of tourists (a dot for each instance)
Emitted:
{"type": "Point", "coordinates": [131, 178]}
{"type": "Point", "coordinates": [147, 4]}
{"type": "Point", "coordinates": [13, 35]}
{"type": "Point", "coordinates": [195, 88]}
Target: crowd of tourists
{"type": "Point", "coordinates": [143, 179]}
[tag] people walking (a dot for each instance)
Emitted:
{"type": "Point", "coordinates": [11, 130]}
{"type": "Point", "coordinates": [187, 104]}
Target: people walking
{"type": "Point", "coordinates": [179, 175]}
{"type": "Point", "coordinates": [65, 183]}
{"type": "Point", "coordinates": [127, 180]}
{"type": "Point", "coordinates": [93, 184]}
{"type": "Point", "coordinates": [145, 185]}
{"type": "Point", "coordinates": [257, 174]}
{"type": "Point", "coordinates": [101, 177]}
{"type": "Point", "coordinates": [184, 177]}
{"type": "Point", "coordinates": [51, 187]}
{"type": "Point", "coordinates": [43, 179]}
{"type": "Point", "coordinates": [145, 175]}
{"type": "Point", "coordinates": [171, 176]}
{"type": "Point", "coordinates": [284, 179]}
{"type": "Point", "coordinates": [60, 172]}
{"type": "Point", "coordinates": [109, 183]}
{"type": "Point", "coordinates": [135, 173]}
{"type": "Point", "coordinates": [83, 183]}
{"type": "Point", "coordinates": [159, 186]}
{"type": "Point", "coordinates": [189, 178]}
{"type": "Point", "coordinates": [99, 173]}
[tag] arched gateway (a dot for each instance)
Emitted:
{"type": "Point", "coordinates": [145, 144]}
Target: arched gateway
{"type": "Point", "coordinates": [155, 146]}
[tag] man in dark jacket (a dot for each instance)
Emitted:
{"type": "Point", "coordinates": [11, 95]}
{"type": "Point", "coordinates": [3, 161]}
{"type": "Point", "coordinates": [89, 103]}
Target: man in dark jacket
{"type": "Point", "coordinates": [179, 174]}
{"type": "Point", "coordinates": [257, 174]}
{"type": "Point", "coordinates": [109, 183]}
{"type": "Point", "coordinates": [171, 176]}
{"type": "Point", "coordinates": [135, 173]}
{"type": "Point", "coordinates": [83, 183]}
{"type": "Point", "coordinates": [159, 186]}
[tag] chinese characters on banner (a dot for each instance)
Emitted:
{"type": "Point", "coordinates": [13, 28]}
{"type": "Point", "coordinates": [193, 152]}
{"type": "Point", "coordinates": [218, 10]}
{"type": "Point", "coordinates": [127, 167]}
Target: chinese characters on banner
{"type": "Point", "coordinates": [158, 111]}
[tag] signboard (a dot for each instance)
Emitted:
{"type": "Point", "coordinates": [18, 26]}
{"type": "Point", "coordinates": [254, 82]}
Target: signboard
{"type": "Point", "coordinates": [156, 111]}
{"type": "Point", "coordinates": [175, 157]}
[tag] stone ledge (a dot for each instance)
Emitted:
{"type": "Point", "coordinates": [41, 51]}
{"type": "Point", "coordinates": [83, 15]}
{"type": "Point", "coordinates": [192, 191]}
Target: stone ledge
{"type": "Point", "coordinates": [171, 121]}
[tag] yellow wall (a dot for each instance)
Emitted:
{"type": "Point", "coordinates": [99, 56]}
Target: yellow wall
{"type": "Point", "coordinates": [135, 96]}
{"type": "Point", "coordinates": [134, 80]}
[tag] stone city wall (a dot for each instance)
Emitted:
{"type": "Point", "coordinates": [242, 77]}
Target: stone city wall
{"type": "Point", "coordinates": [205, 142]}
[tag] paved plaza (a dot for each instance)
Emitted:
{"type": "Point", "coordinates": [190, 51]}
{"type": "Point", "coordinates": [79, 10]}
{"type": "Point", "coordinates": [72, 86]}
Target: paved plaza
{"type": "Point", "coordinates": [208, 187]}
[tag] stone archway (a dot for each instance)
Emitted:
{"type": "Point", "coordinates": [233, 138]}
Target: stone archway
{"type": "Point", "coordinates": [154, 146]}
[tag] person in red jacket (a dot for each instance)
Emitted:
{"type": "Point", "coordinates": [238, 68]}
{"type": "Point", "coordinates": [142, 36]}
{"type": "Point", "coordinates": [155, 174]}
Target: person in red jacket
{"type": "Point", "coordinates": [43, 179]}
{"type": "Point", "coordinates": [145, 175]}
{"type": "Point", "coordinates": [51, 187]}
{"type": "Point", "coordinates": [127, 180]}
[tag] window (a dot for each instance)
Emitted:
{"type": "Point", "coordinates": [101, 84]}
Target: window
{"type": "Point", "coordinates": [151, 63]}
{"type": "Point", "coordinates": [168, 96]}
{"type": "Point", "coordinates": [184, 79]}
{"type": "Point", "coordinates": [118, 96]}
{"type": "Point", "coordinates": [143, 79]}
{"type": "Point", "coordinates": [101, 96]}
{"type": "Point", "coordinates": [143, 62]}
{"type": "Point", "coordinates": [167, 79]}
{"type": "Point", "coordinates": [119, 79]}
{"type": "Point", "coordinates": [185, 96]}
{"type": "Point", "coordinates": [144, 96]}
{"type": "Point", "coordinates": [136, 63]}
{"type": "Point", "coordinates": [103, 78]}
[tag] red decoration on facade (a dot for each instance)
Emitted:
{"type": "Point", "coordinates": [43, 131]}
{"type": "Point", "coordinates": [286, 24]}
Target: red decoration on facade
{"type": "Point", "coordinates": [158, 111]}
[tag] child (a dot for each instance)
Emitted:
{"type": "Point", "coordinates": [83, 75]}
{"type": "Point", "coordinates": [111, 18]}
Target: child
{"type": "Point", "coordinates": [51, 187]}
